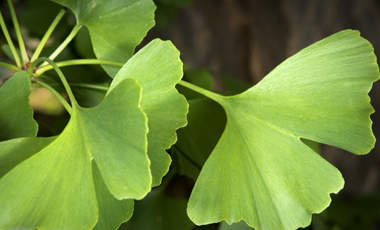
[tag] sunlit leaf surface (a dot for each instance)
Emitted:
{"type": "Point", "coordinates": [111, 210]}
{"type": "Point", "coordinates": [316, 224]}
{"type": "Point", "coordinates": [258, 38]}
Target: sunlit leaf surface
{"type": "Point", "coordinates": [157, 68]}
{"type": "Point", "coordinates": [116, 27]}
{"type": "Point", "coordinates": [260, 171]}
{"type": "Point", "coordinates": [101, 155]}
{"type": "Point", "coordinates": [16, 115]}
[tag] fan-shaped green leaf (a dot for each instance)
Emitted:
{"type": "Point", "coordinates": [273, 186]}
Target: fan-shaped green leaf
{"type": "Point", "coordinates": [116, 27]}
{"type": "Point", "coordinates": [157, 68]}
{"type": "Point", "coordinates": [54, 188]}
{"type": "Point", "coordinates": [260, 169]}
{"type": "Point", "coordinates": [16, 115]}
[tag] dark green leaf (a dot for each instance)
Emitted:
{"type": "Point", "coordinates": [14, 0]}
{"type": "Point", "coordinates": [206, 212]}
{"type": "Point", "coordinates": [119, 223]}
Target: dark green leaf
{"type": "Point", "coordinates": [206, 122]}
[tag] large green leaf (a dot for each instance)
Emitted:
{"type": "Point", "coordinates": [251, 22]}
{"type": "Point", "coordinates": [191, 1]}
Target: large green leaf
{"type": "Point", "coordinates": [116, 27]}
{"type": "Point", "coordinates": [56, 188]}
{"type": "Point", "coordinates": [261, 171]}
{"type": "Point", "coordinates": [16, 115]}
{"type": "Point", "coordinates": [157, 68]}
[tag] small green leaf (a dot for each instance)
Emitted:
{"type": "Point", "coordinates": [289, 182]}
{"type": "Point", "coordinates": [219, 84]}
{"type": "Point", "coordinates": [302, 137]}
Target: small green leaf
{"type": "Point", "coordinates": [116, 27]}
{"type": "Point", "coordinates": [112, 212]}
{"type": "Point", "coordinates": [196, 141]}
{"type": "Point", "coordinates": [15, 151]}
{"type": "Point", "coordinates": [59, 178]}
{"type": "Point", "coordinates": [159, 212]}
{"type": "Point", "coordinates": [16, 115]}
{"type": "Point", "coordinates": [238, 226]}
{"type": "Point", "coordinates": [157, 68]}
{"type": "Point", "coordinates": [260, 168]}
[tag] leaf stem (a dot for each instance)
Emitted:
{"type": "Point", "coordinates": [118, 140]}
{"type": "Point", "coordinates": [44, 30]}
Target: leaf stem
{"type": "Point", "coordinates": [207, 93]}
{"type": "Point", "coordinates": [60, 74]}
{"type": "Point", "coordinates": [70, 37]}
{"type": "Point", "coordinates": [89, 86]}
{"type": "Point", "coordinates": [50, 30]}
{"type": "Point", "coordinates": [9, 41]}
{"type": "Point", "coordinates": [21, 44]}
{"type": "Point", "coordinates": [56, 94]}
{"type": "Point", "coordinates": [10, 66]}
{"type": "Point", "coordinates": [43, 68]}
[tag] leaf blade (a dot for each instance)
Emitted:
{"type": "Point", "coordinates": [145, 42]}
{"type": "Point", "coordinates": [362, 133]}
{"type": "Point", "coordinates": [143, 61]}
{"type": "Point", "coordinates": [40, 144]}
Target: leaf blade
{"type": "Point", "coordinates": [157, 68]}
{"type": "Point", "coordinates": [16, 115]}
{"type": "Point", "coordinates": [284, 175]}
{"type": "Point", "coordinates": [113, 41]}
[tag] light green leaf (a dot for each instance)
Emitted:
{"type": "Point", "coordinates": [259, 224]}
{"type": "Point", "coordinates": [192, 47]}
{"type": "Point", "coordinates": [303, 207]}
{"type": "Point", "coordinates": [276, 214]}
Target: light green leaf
{"type": "Point", "coordinates": [116, 27]}
{"type": "Point", "coordinates": [196, 141]}
{"type": "Point", "coordinates": [54, 188]}
{"type": "Point", "coordinates": [260, 168]}
{"type": "Point", "coordinates": [157, 68]}
{"type": "Point", "coordinates": [16, 115]}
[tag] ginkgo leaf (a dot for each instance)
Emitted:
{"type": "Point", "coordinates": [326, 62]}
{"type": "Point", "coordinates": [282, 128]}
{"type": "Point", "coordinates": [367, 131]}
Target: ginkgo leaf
{"type": "Point", "coordinates": [206, 121]}
{"type": "Point", "coordinates": [260, 168]}
{"type": "Point", "coordinates": [157, 68]}
{"type": "Point", "coordinates": [16, 115]}
{"type": "Point", "coordinates": [237, 226]}
{"type": "Point", "coordinates": [15, 151]}
{"type": "Point", "coordinates": [55, 188]}
{"type": "Point", "coordinates": [112, 212]}
{"type": "Point", "coordinates": [116, 27]}
{"type": "Point", "coordinates": [159, 212]}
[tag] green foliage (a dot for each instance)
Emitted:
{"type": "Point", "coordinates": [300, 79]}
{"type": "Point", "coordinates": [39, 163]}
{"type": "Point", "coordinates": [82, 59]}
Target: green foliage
{"type": "Point", "coordinates": [261, 150]}
{"type": "Point", "coordinates": [252, 155]}
{"type": "Point", "coordinates": [116, 27]}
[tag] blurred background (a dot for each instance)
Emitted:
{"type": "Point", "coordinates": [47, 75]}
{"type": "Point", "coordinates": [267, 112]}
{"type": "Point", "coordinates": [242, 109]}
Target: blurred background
{"type": "Point", "coordinates": [242, 41]}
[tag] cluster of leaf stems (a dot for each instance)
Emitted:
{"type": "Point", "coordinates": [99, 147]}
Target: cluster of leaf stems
{"type": "Point", "coordinates": [37, 65]}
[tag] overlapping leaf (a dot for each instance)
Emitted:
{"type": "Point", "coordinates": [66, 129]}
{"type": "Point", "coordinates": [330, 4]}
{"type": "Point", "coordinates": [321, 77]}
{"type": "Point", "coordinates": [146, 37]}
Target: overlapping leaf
{"type": "Point", "coordinates": [196, 141]}
{"type": "Point", "coordinates": [159, 212]}
{"type": "Point", "coordinates": [157, 68]}
{"type": "Point", "coordinates": [116, 27]}
{"type": "Point", "coordinates": [16, 115]}
{"type": "Point", "coordinates": [260, 171]}
{"type": "Point", "coordinates": [101, 155]}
